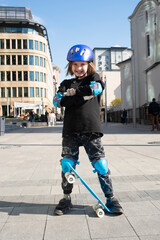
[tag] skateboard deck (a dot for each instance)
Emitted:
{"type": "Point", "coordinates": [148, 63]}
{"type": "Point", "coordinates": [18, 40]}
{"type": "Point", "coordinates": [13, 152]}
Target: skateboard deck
{"type": "Point", "coordinates": [100, 206]}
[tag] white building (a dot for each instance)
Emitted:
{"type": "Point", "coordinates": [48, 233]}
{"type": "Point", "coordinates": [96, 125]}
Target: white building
{"type": "Point", "coordinates": [145, 42]}
{"type": "Point", "coordinates": [106, 59]}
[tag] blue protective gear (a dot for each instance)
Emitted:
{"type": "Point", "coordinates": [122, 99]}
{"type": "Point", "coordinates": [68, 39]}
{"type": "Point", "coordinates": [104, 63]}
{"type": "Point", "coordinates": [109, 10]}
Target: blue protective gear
{"type": "Point", "coordinates": [81, 53]}
{"type": "Point", "coordinates": [57, 100]}
{"type": "Point", "coordinates": [101, 166]}
{"type": "Point", "coordinates": [65, 167]}
{"type": "Point", "coordinates": [96, 88]}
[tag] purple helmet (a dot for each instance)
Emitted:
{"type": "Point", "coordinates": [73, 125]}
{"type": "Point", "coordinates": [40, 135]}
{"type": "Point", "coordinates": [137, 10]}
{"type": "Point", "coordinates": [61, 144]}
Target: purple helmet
{"type": "Point", "coordinates": [80, 52]}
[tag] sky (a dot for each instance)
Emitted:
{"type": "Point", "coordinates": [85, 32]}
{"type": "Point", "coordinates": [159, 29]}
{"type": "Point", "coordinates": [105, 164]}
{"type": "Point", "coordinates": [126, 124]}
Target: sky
{"type": "Point", "coordinates": [96, 23]}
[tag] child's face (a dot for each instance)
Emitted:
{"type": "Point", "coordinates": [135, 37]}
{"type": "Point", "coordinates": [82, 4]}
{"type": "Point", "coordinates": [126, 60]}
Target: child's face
{"type": "Point", "coordinates": [80, 69]}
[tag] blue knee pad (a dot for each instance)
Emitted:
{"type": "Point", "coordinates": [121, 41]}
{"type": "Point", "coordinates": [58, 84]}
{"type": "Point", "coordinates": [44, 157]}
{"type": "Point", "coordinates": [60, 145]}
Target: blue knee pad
{"type": "Point", "coordinates": [65, 167]}
{"type": "Point", "coordinates": [101, 166]}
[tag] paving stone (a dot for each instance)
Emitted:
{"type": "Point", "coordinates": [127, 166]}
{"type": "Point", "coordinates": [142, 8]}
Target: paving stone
{"type": "Point", "coordinates": [62, 227]}
{"type": "Point", "coordinates": [4, 213]}
{"type": "Point", "coordinates": [140, 209]}
{"type": "Point", "coordinates": [23, 230]}
{"type": "Point", "coordinates": [146, 225]}
{"type": "Point", "coordinates": [152, 237]}
{"type": "Point", "coordinates": [28, 214]}
{"type": "Point", "coordinates": [108, 227]}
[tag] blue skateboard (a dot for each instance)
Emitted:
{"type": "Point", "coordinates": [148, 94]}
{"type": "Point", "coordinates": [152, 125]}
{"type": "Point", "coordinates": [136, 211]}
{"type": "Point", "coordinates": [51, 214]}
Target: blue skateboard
{"type": "Point", "coordinates": [100, 206]}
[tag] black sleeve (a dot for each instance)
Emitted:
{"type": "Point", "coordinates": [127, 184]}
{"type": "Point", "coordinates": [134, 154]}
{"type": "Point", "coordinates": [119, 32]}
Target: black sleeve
{"type": "Point", "coordinates": [63, 87]}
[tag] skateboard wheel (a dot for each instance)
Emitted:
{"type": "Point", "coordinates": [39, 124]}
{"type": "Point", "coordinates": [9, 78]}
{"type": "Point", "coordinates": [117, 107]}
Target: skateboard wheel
{"type": "Point", "coordinates": [100, 212]}
{"type": "Point", "coordinates": [70, 178]}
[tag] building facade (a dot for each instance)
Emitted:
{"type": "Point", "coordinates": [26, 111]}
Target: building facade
{"type": "Point", "coordinates": [106, 59]}
{"type": "Point", "coordinates": [145, 35]}
{"type": "Point", "coordinates": [26, 71]}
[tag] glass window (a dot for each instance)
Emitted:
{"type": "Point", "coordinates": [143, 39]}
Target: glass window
{"type": "Point", "coordinates": [41, 77]}
{"type": "Point", "coordinates": [1, 59]}
{"type": "Point", "coordinates": [44, 62]}
{"type": "Point", "coordinates": [44, 77]}
{"type": "Point", "coordinates": [30, 60]}
{"type": "Point", "coordinates": [148, 45]}
{"type": "Point", "coordinates": [19, 46]}
{"type": "Point", "coordinates": [31, 89]}
{"type": "Point", "coordinates": [30, 44]}
{"type": "Point", "coordinates": [36, 76]}
{"type": "Point", "coordinates": [99, 57]}
{"type": "Point", "coordinates": [31, 76]}
{"type": "Point", "coordinates": [13, 59]}
{"type": "Point", "coordinates": [41, 92]}
{"type": "Point", "coordinates": [43, 47]}
{"type": "Point", "coordinates": [14, 92]}
{"type": "Point", "coordinates": [45, 94]}
{"type": "Point", "coordinates": [7, 43]}
{"type": "Point", "coordinates": [36, 45]}
{"type": "Point", "coordinates": [20, 92]}
{"type": "Point", "coordinates": [25, 91]}
{"type": "Point", "coordinates": [8, 76]}
{"type": "Point", "coordinates": [1, 43]}
{"type": "Point", "coordinates": [19, 76]}
{"type": "Point", "coordinates": [8, 62]}
{"type": "Point", "coordinates": [25, 60]}
{"type": "Point", "coordinates": [36, 61]}
{"type": "Point", "coordinates": [40, 46]}
{"type": "Point", "coordinates": [2, 75]}
{"type": "Point", "coordinates": [13, 75]}
{"type": "Point", "coordinates": [41, 61]}
{"type": "Point", "coordinates": [37, 92]}
{"type": "Point", "coordinates": [24, 43]}
{"type": "Point", "coordinates": [19, 59]}
{"type": "Point", "coordinates": [25, 76]}
{"type": "Point", "coordinates": [13, 44]}
{"type": "Point", "coordinates": [8, 91]}
{"type": "Point", "coordinates": [2, 92]}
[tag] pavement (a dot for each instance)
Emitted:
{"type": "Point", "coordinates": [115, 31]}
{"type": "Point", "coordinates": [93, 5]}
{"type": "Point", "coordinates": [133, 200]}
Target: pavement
{"type": "Point", "coordinates": [30, 186]}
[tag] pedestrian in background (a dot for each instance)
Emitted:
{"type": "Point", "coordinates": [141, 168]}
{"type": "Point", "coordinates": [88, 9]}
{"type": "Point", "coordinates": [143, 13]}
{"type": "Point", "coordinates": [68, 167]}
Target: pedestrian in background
{"type": "Point", "coordinates": [124, 116]}
{"type": "Point", "coordinates": [154, 111]}
{"type": "Point", "coordinates": [51, 119]}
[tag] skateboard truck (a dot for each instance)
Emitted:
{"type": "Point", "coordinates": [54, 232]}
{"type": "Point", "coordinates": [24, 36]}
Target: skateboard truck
{"type": "Point", "coordinates": [100, 206]}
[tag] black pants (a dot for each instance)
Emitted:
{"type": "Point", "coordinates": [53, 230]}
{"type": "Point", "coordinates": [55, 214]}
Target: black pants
{"type": "Point", "coordinates": [95, 151]}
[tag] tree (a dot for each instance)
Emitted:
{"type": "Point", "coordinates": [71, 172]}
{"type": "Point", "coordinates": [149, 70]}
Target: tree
{"type": "Point", "coordinates": [116, 102]}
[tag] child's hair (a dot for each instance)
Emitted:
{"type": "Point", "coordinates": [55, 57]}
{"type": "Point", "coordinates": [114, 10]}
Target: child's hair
{"type": "Point", "coordinates": [91, 68]}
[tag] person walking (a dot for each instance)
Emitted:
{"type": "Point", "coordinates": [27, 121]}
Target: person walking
{"type": "Point", "coordinates": [154, 111]}
{"type": "Point", "coordinates": [51, 119]}
{"type": "Point", "coordinates": [82, 127]}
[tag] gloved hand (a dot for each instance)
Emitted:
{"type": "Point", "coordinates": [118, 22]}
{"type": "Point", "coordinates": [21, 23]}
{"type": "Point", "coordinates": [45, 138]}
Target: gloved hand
{"type": "Point", "coordinates": [70, 92]}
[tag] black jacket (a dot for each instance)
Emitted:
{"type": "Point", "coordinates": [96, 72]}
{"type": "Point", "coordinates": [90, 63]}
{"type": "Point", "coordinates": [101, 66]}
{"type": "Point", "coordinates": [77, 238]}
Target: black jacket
{"type": "Point", "coordinates": [153, 108]}
{"type": "Point", "coordinates": [81, 116]}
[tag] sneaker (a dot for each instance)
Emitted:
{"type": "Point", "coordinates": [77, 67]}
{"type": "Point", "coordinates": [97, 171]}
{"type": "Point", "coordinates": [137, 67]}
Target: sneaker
{"type": "Point", "coordinates": [63, 206]}
{"type": "Point", "coordinates": [114, 206]}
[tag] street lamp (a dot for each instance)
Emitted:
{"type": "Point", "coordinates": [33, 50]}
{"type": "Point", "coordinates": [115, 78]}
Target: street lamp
{"type": "Point", "coordinates": [105, 81]}
{"type": "Point", "coordinates": [134, 90]}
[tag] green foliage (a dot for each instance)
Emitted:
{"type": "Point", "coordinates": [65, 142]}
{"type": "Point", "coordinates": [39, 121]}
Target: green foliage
{"type": "Point", "coordinates": [116, 102]}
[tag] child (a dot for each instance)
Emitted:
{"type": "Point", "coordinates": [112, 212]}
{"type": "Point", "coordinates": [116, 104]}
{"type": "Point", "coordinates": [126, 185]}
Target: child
{"type": "Point", "coordinates": [82, 127]}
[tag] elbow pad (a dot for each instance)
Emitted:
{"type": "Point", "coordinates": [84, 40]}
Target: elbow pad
{"type": "Point", "coordinates": [57, 100]}
{"type": "Point", "coordinates": [96, 88]}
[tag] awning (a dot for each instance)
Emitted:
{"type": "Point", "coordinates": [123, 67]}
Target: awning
{"type": "Point", "coordinates": [27, 105]}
